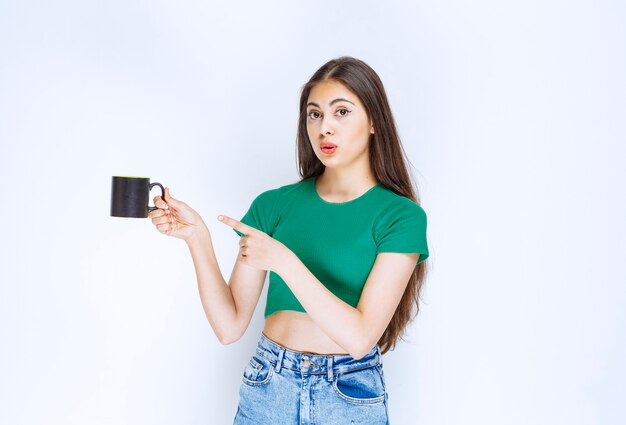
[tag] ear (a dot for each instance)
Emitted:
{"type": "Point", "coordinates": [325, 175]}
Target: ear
{"type": "Point", "coordinates": [371, 128]}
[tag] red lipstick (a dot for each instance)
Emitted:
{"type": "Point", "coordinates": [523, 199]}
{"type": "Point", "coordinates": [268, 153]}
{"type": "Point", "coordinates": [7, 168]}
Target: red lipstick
{"type": "Point", "coordinates": [328, 148]}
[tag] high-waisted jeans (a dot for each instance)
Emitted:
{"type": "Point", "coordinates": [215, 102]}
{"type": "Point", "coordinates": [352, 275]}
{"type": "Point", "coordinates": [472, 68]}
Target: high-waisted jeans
{"type": "Point", "coordinates": [285, 387]}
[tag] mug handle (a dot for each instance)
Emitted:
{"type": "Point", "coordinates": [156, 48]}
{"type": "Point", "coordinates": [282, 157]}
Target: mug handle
{"type": "Point", "coordinates": [150, 209]}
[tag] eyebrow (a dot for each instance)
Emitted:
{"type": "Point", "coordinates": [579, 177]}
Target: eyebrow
{"type": "Point", "coordinates": [330, 104]}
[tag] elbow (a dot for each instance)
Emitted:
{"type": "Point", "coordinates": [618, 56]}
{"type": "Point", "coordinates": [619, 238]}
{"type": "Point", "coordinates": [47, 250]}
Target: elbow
{"type": "Point", "coordinates": [362, 349]}
{"type": "Point", "coordinates": [358, 355]}
{"type": "Point", "coordinates": [227, 338]}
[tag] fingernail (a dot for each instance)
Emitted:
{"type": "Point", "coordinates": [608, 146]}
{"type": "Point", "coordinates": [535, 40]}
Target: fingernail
{"type": "Point", "coordinates": [220, 218]}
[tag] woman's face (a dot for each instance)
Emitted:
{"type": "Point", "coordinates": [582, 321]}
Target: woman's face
{"type": "Point", "coordinates": [336, 116]}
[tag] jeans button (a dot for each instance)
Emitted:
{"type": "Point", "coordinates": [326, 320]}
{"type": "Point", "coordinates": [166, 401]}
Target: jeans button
{"type": "Point", "coordinates": [306, 363]}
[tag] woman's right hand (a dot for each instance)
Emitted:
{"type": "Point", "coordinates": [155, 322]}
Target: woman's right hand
{"type": "Point", "coordinates": [175, 218]}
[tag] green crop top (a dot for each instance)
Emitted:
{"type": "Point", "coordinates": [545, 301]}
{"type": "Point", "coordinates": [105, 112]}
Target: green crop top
{"type": "Point", "coordinates": [337, 242]}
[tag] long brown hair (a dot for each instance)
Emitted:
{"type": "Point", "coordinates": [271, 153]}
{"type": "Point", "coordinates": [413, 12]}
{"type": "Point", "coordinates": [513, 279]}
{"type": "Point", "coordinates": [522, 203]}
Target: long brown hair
{"type": "Point", "coordinates": [387, 159]}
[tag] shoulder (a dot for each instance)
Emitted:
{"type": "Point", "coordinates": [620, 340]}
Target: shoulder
{"type": "Point", "coordinates": [401, 227]}
{"type": "Point", "coordinates": [274, 195]}
{"type": "Point", "coordinates": [398, 214]}
{"type": "Point", "coordinates": [266, 208]}
{"type": "Point", "coordinates": [398, 205]}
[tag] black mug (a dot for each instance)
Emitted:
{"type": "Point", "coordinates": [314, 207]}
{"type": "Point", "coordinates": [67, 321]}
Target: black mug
{"type": "Point", "coordinates": [130, 196]}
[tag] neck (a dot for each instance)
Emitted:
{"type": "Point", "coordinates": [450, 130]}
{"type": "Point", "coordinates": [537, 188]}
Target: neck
{"type": "Point", "coordinates": [343, 185]}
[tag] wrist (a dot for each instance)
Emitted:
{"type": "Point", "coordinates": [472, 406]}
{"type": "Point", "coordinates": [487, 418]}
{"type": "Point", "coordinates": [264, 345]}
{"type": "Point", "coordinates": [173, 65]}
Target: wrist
{"type": "Point", "coordinates": [285, 263]}
{"type": "Point", "coordinates": [198, 236]}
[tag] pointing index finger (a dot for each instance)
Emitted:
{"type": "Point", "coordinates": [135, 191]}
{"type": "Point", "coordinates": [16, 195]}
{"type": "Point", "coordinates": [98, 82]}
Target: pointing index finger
{"type": "Point", "coordinates": [237, 225]}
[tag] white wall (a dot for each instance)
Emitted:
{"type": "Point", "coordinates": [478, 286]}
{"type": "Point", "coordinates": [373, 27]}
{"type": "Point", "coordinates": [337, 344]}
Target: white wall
{"type": "Point", "coordinates": [512, 114]}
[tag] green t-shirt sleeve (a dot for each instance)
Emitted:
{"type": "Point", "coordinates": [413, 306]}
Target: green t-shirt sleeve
{"type": "Point", "coordinates": [402, 228]}
{"type": "Point", "coordinates": [261, 214]}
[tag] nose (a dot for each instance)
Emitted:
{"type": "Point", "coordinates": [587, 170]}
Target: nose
{"type": "Point", "coordinates": [326, 127]}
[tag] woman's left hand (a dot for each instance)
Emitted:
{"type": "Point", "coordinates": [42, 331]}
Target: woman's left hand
{"type": "Point", "coordinates": [256, 248]}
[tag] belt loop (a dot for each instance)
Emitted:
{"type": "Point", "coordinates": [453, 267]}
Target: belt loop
{"type": "Point", "coordinates": [279, 362]}
{"type": "Point", "coordinates": [330, 368]}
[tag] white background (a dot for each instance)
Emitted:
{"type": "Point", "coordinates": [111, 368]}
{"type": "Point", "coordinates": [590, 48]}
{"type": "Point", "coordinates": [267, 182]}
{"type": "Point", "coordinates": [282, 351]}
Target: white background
{"type": "Point", "coordinates": [511, 113]}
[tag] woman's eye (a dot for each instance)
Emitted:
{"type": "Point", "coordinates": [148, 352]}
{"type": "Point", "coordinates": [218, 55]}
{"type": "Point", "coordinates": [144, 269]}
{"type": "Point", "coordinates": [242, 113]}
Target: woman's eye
{"type": "Point", "coordinates": [341, 111]}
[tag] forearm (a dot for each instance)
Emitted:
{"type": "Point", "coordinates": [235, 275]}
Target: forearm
{"type": "Point", "coordinates": [217, 300]}
{"type": "Point", "coordinates": [342, 323]}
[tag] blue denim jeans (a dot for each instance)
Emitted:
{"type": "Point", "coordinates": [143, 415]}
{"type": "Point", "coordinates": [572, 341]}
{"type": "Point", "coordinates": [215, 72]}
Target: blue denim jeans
{"type": "Point", "coordinates": [285, 387]}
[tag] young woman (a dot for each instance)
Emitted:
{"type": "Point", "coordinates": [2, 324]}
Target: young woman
{"type": "Point", "coordinates": [345, 247]}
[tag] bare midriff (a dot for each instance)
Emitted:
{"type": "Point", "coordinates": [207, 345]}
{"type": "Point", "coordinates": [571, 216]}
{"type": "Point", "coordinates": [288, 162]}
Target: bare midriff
{"type": "Point", "coordinates": [296, 331]}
